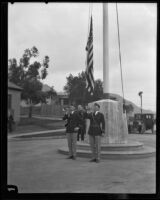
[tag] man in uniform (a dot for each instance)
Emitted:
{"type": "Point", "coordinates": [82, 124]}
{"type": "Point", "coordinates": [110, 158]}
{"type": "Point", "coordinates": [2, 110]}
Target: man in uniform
{"type": "Point", "coordinates": [96, 130]}
{"type": "Point", "coordinates": [81, 123]}
{"type": "Point", "coordinates": [66, 115]}
{"type": "Point", "coordinates": [71, 131]}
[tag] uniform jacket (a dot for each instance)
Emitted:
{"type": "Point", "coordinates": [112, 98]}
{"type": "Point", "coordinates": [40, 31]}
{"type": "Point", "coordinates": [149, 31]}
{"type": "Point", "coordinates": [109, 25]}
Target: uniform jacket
{"type": "Point", "coordinates": [81, 122]}
{"type": "Point", "coordinates": [65, 117]}
{"type": "Point", "coordinates": [96, 121]}
{"type": "Point", "coordinates": [72, 122]}
{"type": "Point", "coordinates": [81, 118]}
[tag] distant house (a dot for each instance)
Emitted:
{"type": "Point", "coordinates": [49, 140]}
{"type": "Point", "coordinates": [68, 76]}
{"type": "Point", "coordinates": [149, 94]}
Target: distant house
{"type": "Point", "coordinates": [63, 99]}
{"type": "Point", "coordinates": [14, 99]}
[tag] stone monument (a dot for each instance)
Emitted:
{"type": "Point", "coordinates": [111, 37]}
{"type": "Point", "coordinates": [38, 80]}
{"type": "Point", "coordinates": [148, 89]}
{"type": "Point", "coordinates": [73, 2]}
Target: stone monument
{"type": "Point", "coordinates": [116, 130]}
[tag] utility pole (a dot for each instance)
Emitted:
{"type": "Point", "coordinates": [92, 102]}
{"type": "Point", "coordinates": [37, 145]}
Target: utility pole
{"type": "Point", "coordinates": [140, 94]}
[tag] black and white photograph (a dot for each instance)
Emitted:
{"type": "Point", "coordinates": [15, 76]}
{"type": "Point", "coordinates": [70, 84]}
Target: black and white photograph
{"type": "Point", "coordinates": [82, 97]}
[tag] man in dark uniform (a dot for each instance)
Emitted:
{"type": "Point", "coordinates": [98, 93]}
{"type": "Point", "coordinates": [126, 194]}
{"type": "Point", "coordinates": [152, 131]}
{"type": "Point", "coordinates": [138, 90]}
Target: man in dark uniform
{"type": "Point", "coordinates": [81, 123]}
{"type": "Point", "coordinates": [10, 121]}
{"type": "Point", "coordinates": [96, 130]}
{"type": "Point", "coordinates": [71, 131]}
{"type": "Point", "coordinates": [65, 117]}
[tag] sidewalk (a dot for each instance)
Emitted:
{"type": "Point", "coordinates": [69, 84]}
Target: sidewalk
{"type": "Point", "coordinates": [35, 133]}
{"type": "Point", "coordinates": [42, 117]}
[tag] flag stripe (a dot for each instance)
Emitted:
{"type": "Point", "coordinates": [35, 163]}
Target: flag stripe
{"type": "Point", "coordinates": [90, 83]}
{"type": "Point", "coordinates": [89, 61]}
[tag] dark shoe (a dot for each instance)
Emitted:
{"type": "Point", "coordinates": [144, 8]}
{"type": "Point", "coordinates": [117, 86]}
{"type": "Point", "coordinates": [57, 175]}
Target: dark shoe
{"type": "Point", "coordinates": [74, 158]}
{"type": "Point", "coordinates": [93, 160]}
{"type": "Point", "coordinates": [97, 161]}
{"type": "Point", "coordinates": [70, 157]}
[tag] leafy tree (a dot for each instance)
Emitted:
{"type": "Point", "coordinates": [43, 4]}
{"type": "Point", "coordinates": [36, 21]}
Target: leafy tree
{"type": "Point", "coordinates": [28, 76]}
{"type": "Point", "coordinates": [76, 89]}
{"type": "Point", "coordinates": [129, 108]}
{"type": "Point", "coordinates": [98, 90]}
{"type": "Point", "coordinates": [51, 93]}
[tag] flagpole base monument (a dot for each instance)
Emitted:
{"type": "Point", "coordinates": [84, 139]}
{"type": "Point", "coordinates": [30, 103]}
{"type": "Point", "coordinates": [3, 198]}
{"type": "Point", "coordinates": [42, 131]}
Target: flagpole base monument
{"type": "Point", "coordinates": [115, 143]}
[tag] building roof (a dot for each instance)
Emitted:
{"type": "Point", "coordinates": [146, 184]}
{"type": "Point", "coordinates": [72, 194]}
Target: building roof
{"type": "Point", "coordinates": [46, 88]}
{"type": "Point", "coordinates": [13, 86]}
{"type": "Point", "coordinates": [62, 93]}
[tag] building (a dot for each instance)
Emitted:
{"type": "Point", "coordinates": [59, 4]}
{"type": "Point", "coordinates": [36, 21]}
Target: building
{"type": "Point", "coordinates": [14, 99]}
{"type": "Point", "coordinates": [63, 99]}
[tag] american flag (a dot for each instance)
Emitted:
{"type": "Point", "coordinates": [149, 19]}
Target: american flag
{"type": "Point", "coordinates": [89, 61]}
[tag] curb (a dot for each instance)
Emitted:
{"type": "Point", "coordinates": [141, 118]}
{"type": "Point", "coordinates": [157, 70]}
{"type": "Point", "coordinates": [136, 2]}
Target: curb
{"type": "Point", "coordinates": [35, 133]}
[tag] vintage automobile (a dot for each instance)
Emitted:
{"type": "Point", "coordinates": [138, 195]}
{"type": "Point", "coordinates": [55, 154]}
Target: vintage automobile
{"type": "Point", "coordinates": [141, 123]}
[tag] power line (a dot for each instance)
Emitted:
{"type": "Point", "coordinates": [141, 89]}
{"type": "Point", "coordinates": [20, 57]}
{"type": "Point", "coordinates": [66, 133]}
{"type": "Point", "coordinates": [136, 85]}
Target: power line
{"type": "Point", "coordinates": [120, 53]}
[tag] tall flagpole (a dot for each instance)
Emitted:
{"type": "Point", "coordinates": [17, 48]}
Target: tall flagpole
{"type": "Point", "coordinates": [105, 51]}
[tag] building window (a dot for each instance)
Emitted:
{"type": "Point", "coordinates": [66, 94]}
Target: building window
{"type": "Point", "coordinates": [66, 101]}
{"type": "Point", "coordinates": [9, 101]}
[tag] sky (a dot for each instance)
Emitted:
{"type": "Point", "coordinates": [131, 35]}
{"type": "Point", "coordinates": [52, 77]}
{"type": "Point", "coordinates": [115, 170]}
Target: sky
{"type": "Point", "coordinates": [60, 31]}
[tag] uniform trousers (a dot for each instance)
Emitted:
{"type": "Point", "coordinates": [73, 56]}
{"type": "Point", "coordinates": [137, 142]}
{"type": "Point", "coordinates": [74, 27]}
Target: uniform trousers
{"type": "Point", "coordinates": [81, 133]}
{"type": "Point", "coordinates": [95, 143]}
{"type": "Point", "coordinates": [72, 143]}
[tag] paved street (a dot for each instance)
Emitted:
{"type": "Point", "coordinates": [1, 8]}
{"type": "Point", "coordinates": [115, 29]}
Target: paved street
{"type": "Point", "coordinates": [34, 165]}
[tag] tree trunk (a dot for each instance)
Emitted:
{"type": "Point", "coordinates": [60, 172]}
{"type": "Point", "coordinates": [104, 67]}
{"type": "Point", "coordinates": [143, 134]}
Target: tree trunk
{"type": "Point", "coordinates": [30, 109]}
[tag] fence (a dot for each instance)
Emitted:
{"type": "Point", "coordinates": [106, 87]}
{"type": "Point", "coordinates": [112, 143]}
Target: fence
{"type": "Point", "coordinates": [51, 110]}
{"type": "Point", "coordinates": [44, 109]}
{"type": "Point", "coordinates": [35, 110]}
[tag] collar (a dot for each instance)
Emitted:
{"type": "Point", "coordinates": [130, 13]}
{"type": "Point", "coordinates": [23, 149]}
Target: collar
{"type": "Point", "coordinates": [96, 112]}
